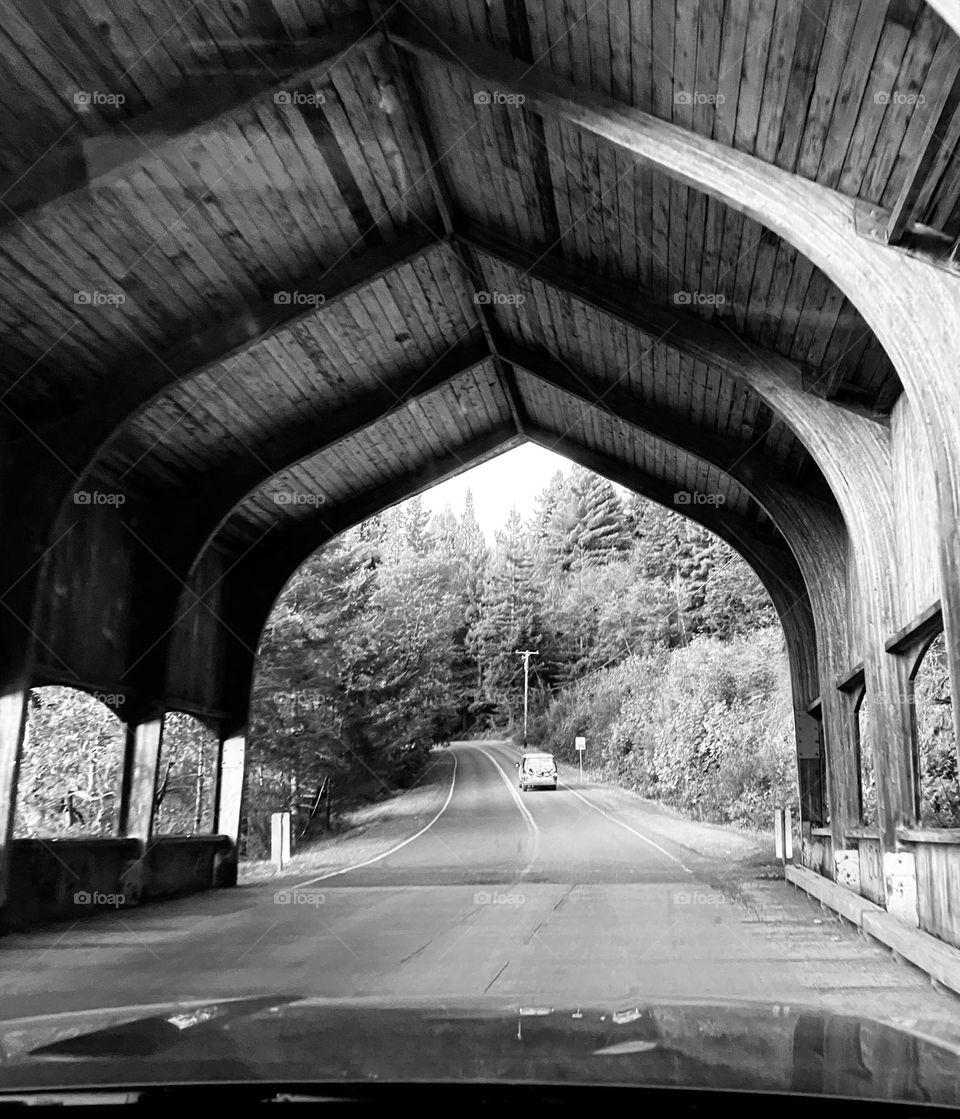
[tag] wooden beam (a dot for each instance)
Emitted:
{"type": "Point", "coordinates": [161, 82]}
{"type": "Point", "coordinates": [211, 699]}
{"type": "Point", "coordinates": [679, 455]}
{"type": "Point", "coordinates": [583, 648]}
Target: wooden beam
{"type": "Point", "coordinates": [141, 761]}
{"type": "Point", "coordinates": [78, 164]}
{"type": "Point", "coordinates": [153, 374]}
{"type": "Point", "coordinates": [936, 124]}
{"type": "Point", "coordinates": [201, 513]}
{"type": "Point", "coordinates": [13, 719]}
{"type": "Point", "coordinates": [443, 196]}
{"type": "Point", "coordinates": [851, 679]}
{"type": "Point", "coordinates": [740, 460]}
{"type": "Point", "coordinates": [679, 329]}
{"type": "Point", "coordinates": [302, 538]}
{"type": "Point", "coordinates": [927, 624]}
{"type": "Point", "coordinates": [45, 675]}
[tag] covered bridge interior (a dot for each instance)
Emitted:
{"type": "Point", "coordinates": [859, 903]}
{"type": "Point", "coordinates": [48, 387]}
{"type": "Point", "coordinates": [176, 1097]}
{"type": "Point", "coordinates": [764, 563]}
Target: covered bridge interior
{"type": "Point", "coordinates": [272, 266]}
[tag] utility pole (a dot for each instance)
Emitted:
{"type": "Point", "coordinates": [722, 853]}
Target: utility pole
{"type": "Point", "coordinates": [526, 654]}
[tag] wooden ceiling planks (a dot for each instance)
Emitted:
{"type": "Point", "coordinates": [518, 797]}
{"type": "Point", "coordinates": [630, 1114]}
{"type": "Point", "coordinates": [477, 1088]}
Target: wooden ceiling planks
{"type": "Point", "coordinates": [278, 380]}
{"type": "Point", "coordinates": [601, 233]}
{"type": "Point", "coordinates": [370, 458]}
{"type": "Point", "coordinates": [272, 194]}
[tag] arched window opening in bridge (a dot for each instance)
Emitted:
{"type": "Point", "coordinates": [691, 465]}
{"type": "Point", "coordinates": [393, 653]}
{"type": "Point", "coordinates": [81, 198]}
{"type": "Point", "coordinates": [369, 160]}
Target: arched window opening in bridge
{"type": "Point", "coordinates": [936, 745]}
{"type": "Point", "coordinates": [69, 782]}
{"type": "Point", "coordinates": [186, 778]}
{"type": "Point", "coordinates": [655, 641]}
{"type": "Point", "coordinates": [865, 764]}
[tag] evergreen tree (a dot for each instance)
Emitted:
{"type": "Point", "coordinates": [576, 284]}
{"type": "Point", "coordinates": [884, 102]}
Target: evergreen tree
{"type": "Point", "coordinates": [416, 523]}
{"type": "Point", "coordinates": [603, 529]}
{"type": "Point", "coordinates": [510, 618]}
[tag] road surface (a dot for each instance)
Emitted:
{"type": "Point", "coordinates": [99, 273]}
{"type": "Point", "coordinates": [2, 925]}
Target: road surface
{"type": "Point", "coordinates": [566, 897]}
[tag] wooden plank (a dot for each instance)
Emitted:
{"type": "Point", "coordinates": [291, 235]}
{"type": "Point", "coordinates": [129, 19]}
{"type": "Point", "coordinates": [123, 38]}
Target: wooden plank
{"type": "Point", "coordinates": [882, 79]}
{"type": "Point", "coordinates": [774, 300]}
{"type": "Point", "coordinates": [225, 338]}
{"type": "Point", "coordinates": [841, 58]}
{"type": "Point", "coordinates": [837, 897]}
{"type": "Point", "coordinates": [783, 42]}
{"type": "Point", "coordinates": [664, 23]}
{"type": "Point", "coordinates": [803, 76]}
{"type": "Point", "coordinates": [937, 122]}
{"type": "Point", "coordinates": [826, 140]}
{"type": "Point", "coordinates": [685, 87]}
{"type": "Point", "coordinates": [939, 960]}
{"type": "Point", "coordinates": [901, 131]}
{"type": "Point", "coordinates": [158, 131]}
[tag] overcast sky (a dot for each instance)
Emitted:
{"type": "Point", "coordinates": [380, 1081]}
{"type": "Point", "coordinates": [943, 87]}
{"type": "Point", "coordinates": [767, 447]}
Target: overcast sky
{"type": "Point", "coordinates": [513, 478]}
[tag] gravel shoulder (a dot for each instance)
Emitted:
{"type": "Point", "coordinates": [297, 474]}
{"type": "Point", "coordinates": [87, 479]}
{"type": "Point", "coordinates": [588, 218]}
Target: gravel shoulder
{"type": "Point", "coordinates": [368, 831]}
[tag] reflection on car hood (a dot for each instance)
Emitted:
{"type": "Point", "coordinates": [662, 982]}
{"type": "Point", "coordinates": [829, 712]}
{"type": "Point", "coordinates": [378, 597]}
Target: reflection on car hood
{"type": "Point", "coordinates": [288, 1038]}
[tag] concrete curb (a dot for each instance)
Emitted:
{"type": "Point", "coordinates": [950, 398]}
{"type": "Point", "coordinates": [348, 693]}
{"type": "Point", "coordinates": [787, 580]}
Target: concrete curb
{"type": "Point", "coordinates": [939, 960]}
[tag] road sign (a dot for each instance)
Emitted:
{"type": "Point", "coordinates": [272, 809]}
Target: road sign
{"type": "Point", "coordinates": [581, 743]}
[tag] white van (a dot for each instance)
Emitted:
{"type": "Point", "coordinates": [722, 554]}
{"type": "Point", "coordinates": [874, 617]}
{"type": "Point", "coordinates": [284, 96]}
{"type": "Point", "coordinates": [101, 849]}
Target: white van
{"type": "Point", "coordinates": [537, 771]}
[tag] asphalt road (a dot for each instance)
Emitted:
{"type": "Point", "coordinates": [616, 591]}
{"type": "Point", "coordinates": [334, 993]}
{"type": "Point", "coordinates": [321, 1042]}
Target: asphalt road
{"type": "Point", "coordinates": [560, 897]}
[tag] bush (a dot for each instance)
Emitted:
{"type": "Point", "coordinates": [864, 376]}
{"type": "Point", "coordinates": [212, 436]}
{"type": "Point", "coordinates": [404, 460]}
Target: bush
{"type": "Point", "coordinates": [407, 763]}
{"type": "Point", "coordinates": [708, 728]}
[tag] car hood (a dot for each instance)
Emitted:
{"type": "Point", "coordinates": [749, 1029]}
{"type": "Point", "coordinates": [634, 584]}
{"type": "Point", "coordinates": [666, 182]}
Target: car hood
{"type": "Point", "coordinates": [289, 1039]}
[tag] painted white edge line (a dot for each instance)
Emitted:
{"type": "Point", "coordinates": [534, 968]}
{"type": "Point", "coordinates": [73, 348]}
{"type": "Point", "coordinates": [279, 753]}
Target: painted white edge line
{"type": "Point", "coordinates": [524, 811]}
{"type": "Point", "coordinates": [393, 850]}
{"type": "Point", "coordinates": [613, 820]}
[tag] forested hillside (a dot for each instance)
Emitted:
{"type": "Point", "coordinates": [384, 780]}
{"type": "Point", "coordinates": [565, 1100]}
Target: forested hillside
{"type": "Point", "coordinates": [655, 640]}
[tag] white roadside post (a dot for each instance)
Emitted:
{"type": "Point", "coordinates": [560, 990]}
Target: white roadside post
{"type": "Point", "coordinates": [280, 838]}
{"type": "Point", "coordinates": [581, 744]}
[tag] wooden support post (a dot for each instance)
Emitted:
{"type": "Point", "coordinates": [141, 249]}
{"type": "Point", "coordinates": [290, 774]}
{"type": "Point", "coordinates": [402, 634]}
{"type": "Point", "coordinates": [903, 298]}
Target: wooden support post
{"type": "Point", "coordinates": [229, 793]}
{"type": "Point", "coordinates": [809, 768]}
{"type": "Point", "coordinates": [13, 718]}
{"type": "Point", "coordinates": [139, 780]}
